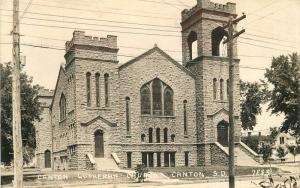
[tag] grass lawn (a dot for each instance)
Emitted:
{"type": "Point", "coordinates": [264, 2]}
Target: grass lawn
{"type": "Point", "coordinates": [214, 171]}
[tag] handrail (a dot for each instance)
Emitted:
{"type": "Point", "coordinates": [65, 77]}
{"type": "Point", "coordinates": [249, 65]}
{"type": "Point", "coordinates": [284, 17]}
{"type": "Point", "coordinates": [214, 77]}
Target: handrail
{"type": "Point", "coordinates": [116, 158]}
{"type": "Point", "coordinates": [91, 158]}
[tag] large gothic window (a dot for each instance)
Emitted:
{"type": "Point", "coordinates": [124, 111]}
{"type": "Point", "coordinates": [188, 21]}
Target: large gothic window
{"type": "Point", "coordinates": [88, 89]}
{"type": "Point", "coordinates": [97, 76]}
{"type": "Point", "coordinates": [62, 107]}
{"type": "Point", "coordinates": [157, 99]}
{"type": "Point", "coordinates": [106, 88]}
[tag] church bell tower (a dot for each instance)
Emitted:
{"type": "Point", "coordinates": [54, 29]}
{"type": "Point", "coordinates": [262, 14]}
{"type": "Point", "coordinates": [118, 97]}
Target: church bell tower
{"type": "Point", "coordinates": [205, 55]}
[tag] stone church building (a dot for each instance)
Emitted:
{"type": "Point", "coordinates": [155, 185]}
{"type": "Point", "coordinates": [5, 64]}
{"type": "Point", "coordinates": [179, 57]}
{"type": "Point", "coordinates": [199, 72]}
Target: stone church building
{"type": "Point", "coordinates": [150, 110]}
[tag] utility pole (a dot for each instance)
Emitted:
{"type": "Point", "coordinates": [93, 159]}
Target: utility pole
{"type": "Point", "coordinates": [232, 88]}
{"type": "Point", "coordinates": [16, 99]}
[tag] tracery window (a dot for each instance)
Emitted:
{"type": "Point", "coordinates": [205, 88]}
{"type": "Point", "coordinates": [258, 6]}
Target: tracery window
{"type": "Point", "coordinates": [157, 99]}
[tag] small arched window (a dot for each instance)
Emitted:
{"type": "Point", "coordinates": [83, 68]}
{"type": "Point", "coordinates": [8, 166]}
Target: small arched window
{"type": "Point", "coordinates": [127, 115]}
{"type": "Point", "coordinates": [88, 88]}
{"type": "Point", "coordinates": [143, 136]}
{"type": "Point", "coordinates": [173, 138]}
{"type": "Point", "coordinates": [221, 89]}
{"type": "Point", "coordinates": [215, 88]}
{"type": "Point", "coordinates": [184, 117]}
{"type": "Point", "coordinates": [168, 102]}
{"type": "Point", "coordinates": [165, 135]}
{"type": "Point", "coordinates": [218, 35]}
{"type": "Point", "coordinates": [150, 132]}
{"type": "Point", "coordinates": [157, 135]}
{"type": "Point", "coordinates": [156, 97]}
{"type": "Point", "coordinates": [192, 42]}
{"type": "Point", "coordinates": [97, 77]}
{"type": "Point", "coordinates": [145, 100]}
{"type": "Point", "coordinates": [62, 107]}
{"type": "Point", "coordinates": [106, 89]}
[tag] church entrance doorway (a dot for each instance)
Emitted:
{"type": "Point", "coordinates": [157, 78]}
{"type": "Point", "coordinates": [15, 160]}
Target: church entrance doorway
{"type": "Point", "coordinates": [222, 131]}
{"type": "Point", "coordinates": [47, 159]}
{"type": "Point", "coordinates": [99, 144]}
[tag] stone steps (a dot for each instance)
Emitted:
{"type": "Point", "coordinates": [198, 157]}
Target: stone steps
{"type": "Point", "coordinates": [106, 164]}
{"type": "Point", "coordinates": [242, 159]}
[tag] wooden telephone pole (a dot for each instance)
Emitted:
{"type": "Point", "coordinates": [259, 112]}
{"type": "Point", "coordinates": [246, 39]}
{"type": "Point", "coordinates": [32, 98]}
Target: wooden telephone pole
{"type": "Point", "coordinates": [16, 99]}
{"type": "Point", "coordinates": [230, 38]}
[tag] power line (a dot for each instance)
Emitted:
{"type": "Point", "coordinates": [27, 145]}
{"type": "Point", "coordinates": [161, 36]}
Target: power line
{"type": "Point", "coordinates": [89, 29]}
{"type": "Point", "coordinates": [93, 19]}
{"type": "Point", "coordinates": [271, 38]}
{"type": "Point", "coordinates": [122, 55]}
{"type": "Point", "coordinates": [91, 24]}
{"type": "Point", "coordinates": [266, 42]}
{"type": "Point", "coordinates": [106, 12]}
{"type": "Point", "coordinates": [264, 46]}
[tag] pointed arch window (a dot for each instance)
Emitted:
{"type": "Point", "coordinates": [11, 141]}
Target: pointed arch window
{"type": "Point", "coordinates": [88, 88]}
{"type": "Point", "coordinates": [106, 89]}
{"type": "Point", "coordinates": [62, 107]}
{"type": "Point", "coordinates": [168, 102]}
{"type": "Point", "coordinates": [157, 98]}
{"type": "Point", "coordinates": [157, 135]}
{"type": "Point", "coordinates": [150, 132]}
{"type": "Point", "coordinates": [218, 35]}
{"type": "Point", "coordinates": [173, 138]}
{"type": "Point", "coordinates": [215, 88]}
{"type": "Point", "coordinates": [193, 46]}
{"type": "Point", "coordinates": [145, 100]}
{"type": "Point", "coordinates": [221, 89]}
{"type": "Point", "coordinates": [128, 115]}
{"type": "Point", "coordinates": [165, 135]}
{"type": "Point", "coordinates": [184, 117]}
{"type": "Point", "coordinates": [97, 77]}
{"type": "Point", "coordinates": [143, 136]}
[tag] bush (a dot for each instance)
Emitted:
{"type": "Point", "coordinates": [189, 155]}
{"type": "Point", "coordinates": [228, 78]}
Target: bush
{"type": "Point", "coordinates": [140, 172]}
{"type": "Point", "coordinates": [266, 151]}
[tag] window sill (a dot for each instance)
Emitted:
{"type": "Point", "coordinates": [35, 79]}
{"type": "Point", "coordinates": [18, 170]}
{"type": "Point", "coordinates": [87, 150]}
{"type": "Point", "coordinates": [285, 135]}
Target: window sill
{"type": "Point", "coordinates": [62, 121]}
{"type": "Point", "coordinates": [98, 108]}
{"type": "Point", "coordinates": [152, 116]}
{"type": "Point", "coordinates": [221, 101]}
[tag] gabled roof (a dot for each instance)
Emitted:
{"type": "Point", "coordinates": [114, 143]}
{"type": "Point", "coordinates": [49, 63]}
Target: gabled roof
{"type": "Point", "coordinates": [61, 70]}
{"type": "Point", "coordinates": [157, 49]}
{"type": "Point", "coordinates": [97, 118]}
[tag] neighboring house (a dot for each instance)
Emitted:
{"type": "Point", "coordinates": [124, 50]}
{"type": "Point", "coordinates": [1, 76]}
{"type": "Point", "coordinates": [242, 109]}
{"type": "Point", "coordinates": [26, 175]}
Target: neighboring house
{"type": "Point", "coordinates": [284, 140]}
{"type": "Point", "coordinates": [150, 110]}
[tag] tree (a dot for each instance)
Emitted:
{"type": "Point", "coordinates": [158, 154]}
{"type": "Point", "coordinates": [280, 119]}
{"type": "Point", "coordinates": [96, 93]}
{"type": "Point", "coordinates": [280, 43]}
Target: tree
{"type": "Point", "coordinates": [281, 152]}
{"type": "Point", "coordinates": [266, 151]}
{"type": "Point", "coordinates": [252, 96]}
{"type": "Point", "coordinates": [140, 172]}
{"type": "Point", "coordinates": [284, 75]}
{"type": "Point", "coordinates": [30, 111]}
{"type": "Point", "coordinates": [293, 150]}
{"type": "Point", "coordinates": [273, 134]}
{"type": "Point", "coordinates": [252, 142]}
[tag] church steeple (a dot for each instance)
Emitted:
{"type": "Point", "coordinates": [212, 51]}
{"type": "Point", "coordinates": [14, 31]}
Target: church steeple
{"type": "Point", "coordinates": [201, 29]}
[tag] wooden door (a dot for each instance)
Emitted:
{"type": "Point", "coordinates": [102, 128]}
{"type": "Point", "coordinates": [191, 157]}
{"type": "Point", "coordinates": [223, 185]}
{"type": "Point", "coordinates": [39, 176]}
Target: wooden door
{"type": "Point", "coordinates": [99, 144]}
{"type": "Point", "coordinates": [222, 131]}
{"type": "Point", "coordinates": [47, 159]}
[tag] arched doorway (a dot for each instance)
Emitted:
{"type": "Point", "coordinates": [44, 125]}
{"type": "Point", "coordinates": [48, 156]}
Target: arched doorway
{"type": "Point", "coordinates": [222, 131]}
{"type": "Point", "coordinates": [47, 156]}
{"type": "Point", "coordinates": [99, 144]}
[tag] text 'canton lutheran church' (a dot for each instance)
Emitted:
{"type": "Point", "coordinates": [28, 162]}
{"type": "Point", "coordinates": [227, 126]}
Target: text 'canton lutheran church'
{"type": "Point", "coordinates": [151, 110]}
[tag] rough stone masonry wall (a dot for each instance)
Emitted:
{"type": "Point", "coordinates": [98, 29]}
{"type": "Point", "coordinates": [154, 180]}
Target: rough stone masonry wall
{"type": "Point", "coordinates": [132, 78]}
{"type": "Point", "coordinates": [96, 57]}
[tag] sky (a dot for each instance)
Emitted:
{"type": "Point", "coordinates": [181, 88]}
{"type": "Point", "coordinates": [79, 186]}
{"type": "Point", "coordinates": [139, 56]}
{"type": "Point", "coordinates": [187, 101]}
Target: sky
{"type": "Point", "coordinates": [272, 29]}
